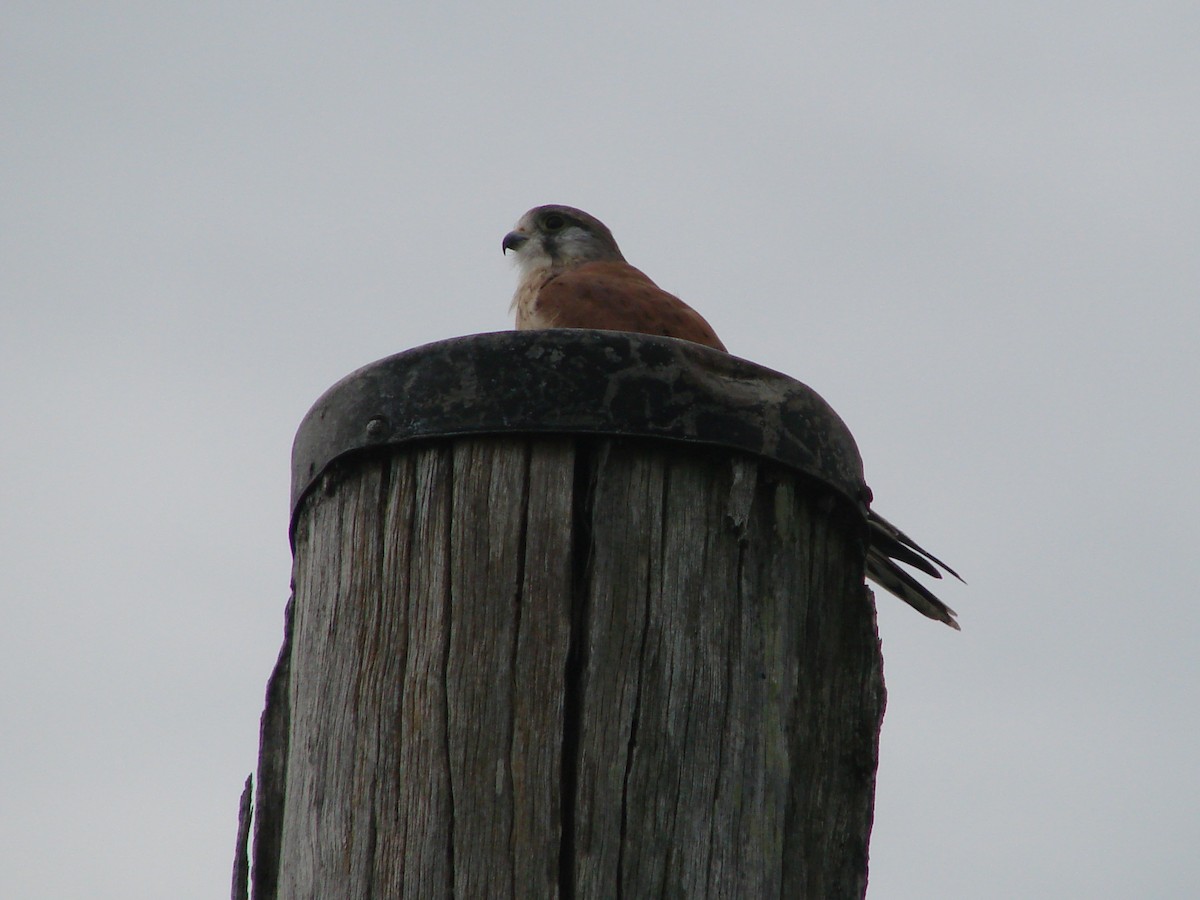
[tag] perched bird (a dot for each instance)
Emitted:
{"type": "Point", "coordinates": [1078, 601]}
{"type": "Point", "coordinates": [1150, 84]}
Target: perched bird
{"type": "Point", "coordinates": [573, 275]}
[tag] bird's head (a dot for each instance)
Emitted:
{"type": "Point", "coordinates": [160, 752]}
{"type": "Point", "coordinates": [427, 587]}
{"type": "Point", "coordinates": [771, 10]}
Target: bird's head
{"type": "Point", "coordinates": [560, 237]}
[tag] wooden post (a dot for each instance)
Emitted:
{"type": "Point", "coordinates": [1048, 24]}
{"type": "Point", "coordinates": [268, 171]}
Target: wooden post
{"type": "Point", "coordinates": [575, 614]}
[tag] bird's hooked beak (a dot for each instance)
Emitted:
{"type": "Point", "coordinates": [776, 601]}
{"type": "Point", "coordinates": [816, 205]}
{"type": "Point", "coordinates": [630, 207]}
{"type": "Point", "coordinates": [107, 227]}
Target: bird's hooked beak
{"type": "Point", "coordinates": [513, 241]}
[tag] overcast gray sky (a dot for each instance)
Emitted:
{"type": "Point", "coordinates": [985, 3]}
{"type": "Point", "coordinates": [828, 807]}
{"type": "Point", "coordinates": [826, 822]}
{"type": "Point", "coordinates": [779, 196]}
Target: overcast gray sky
{"type": "Point", "coordinates": [973, 228]}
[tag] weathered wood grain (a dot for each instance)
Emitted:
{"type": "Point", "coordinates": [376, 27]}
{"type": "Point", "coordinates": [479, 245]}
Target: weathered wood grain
{"type": "Point", "coordinates": [240, 888]}
{"type": "Point", "coordinates": [540, 667]}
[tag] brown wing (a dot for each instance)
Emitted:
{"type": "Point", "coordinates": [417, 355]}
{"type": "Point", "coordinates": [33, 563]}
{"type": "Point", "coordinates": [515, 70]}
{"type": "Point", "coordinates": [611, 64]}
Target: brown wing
{"type": "Point", "coordinates": [617, 297]}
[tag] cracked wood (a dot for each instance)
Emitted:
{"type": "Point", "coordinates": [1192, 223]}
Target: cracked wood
{"type": "Point", "coordinates": [547, 667]}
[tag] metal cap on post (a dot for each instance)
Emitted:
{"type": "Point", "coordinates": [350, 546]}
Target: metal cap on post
{"type": "Point", "coordinates": [574, 611]}
{"type": "Point", "coordinates": [572, 381]}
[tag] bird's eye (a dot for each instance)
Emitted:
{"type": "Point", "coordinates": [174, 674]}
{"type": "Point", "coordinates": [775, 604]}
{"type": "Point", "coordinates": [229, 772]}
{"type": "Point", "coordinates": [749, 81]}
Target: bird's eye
{"type": "Point", "coordinates": [554, 222]}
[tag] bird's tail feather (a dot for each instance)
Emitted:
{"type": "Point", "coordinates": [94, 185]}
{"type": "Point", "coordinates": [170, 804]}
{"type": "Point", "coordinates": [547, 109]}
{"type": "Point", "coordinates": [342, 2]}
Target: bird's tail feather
{"type": "Point", "coordinates": [888, 544]}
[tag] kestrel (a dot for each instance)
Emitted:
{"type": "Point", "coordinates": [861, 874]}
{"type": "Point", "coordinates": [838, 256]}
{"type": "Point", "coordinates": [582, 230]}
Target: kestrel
{"type": "Point", "coordinates": [573, 275]}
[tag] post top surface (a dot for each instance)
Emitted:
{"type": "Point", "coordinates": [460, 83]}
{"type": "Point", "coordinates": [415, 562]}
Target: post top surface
{"type": "Point", "coordinates": [575, 381]}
